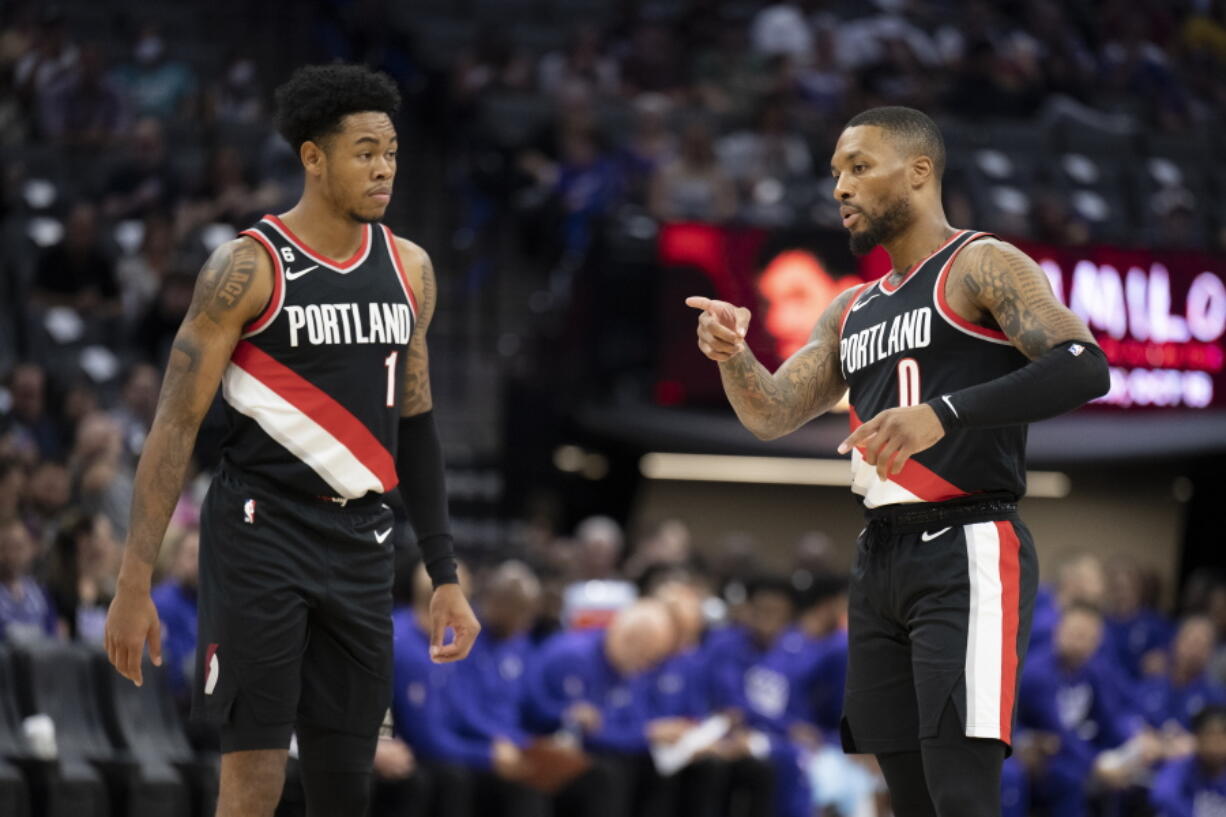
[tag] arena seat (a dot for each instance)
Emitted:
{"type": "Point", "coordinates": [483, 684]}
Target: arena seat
{"type": "Point", "coordinates": [59, 680]}
{"type": "Point", "coordinates": [144, 721]}
{"type": "Point", "coordinates": [61, 788]}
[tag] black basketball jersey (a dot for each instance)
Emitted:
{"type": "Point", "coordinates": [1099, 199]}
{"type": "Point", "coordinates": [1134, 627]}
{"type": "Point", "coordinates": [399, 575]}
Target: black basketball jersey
{"type": "Point", "coordinates": [903, 345]}
{"type": "Point", "coordinates": [312, 389]}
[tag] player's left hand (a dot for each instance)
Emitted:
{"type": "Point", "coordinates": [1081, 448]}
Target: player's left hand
{"type": "Point", "coordinates": [449, 608]}
{"type": "Point", "coordinates": [890, 438]}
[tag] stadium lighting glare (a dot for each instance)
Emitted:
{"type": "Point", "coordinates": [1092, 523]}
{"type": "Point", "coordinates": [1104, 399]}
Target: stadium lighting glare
{"type": "Point", "coordinates": [661, 465]}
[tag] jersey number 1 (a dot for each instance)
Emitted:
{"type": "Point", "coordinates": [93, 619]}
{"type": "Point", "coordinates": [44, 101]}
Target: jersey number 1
{"type": "Point", "coordinates": [908, 382]}
{"type": "Point", "coordinates": [390, 363]}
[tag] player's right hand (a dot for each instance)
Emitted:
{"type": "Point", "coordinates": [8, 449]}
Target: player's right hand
{"type": "Point", "coordinates": [508, 761]}
{"type": "Point", "coordinates": [721, 327]}
{"type": "Point", "coordinates": [132, 622]}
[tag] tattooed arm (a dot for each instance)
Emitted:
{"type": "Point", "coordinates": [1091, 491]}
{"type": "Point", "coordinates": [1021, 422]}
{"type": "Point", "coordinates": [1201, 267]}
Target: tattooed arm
{"type": "Point", "coordinates": [415, 397]}
{"type": "Point", "coordinates": [994, 282]}
{"type": "Point", "coordinates": [232, 289]}
{"type": "Point", "coordinates": [809, 383]}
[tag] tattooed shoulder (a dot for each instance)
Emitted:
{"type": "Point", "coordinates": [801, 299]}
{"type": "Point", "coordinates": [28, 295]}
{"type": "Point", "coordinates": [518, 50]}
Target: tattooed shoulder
{"type": "Point", "coordinates": [1000, 279]}
{"type": "Point", "coordinates": [225, 281]}
{"type": "Point", "coordinates": [421, 275]}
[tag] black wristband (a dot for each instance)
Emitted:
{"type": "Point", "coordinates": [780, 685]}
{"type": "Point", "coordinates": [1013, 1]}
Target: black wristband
{"type": "Point", "coordinates": [419, 464]}
{"type": "Point", "coordinates": [1065, 377]}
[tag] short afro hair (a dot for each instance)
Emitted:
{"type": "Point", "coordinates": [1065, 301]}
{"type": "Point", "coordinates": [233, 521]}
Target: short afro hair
{"type": "Point", "coordinates": [912, 130]}
{"type": "Point", "coordinates": [311, 105]}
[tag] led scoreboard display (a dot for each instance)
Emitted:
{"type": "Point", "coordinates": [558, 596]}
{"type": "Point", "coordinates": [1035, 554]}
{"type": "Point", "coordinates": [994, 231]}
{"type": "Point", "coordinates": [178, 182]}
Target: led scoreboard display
{"type": "Point", "coordinates": [1160, 317]}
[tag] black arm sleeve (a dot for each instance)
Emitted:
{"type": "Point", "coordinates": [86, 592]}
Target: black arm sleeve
{"type": "Point", "coordinates": [1064, 378]}
{"type": "Point", "coordinates": [419, 464]}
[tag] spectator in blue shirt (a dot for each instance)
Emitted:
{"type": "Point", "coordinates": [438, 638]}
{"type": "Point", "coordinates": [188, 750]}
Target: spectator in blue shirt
{"type": "Point", "coordinates": [596, 684]}
{"type": "Point", "coordinates": [1136, 632]}
{"type": "Point", "coordinates": [26, 613]}
{"type": "Point", "coordinates": [1174, 698]}
{"type": "Point", "coordinates": [757, 671]}
{"type": "Point", "coordinates": [175, 599]}
{"type": "Point", "coordinates": [421, 716]}
{"type": "Point", "coordinates": [1195, 786]}
{"type": "Point", "coordinates": [1067, 691]}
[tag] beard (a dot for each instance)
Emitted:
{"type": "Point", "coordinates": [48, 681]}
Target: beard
{"type": "Point", "coordinates": [883, 227]}
{"type": "Point", "coordinates": [361, 219]}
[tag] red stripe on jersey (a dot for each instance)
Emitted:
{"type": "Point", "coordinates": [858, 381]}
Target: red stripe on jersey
{"type": "Point", "coordinates": [885, 286]}
{"type": "Point", "coordinates": [334, 418]}
{"type": "Point", "coordinates": [278, 287]}
{"type": "Point", "coordinates": [953, 317]}
{"type": "Point", "coordinates": [404, 278]}
{"type": "Point", "coordinates": [323, 259]}
{"type": "Point", "coordinates": [1010, 602]}
{"type": "Point", "coordinates": [920, 480]}
{"type": "Point", "coordinates": [850, 303]}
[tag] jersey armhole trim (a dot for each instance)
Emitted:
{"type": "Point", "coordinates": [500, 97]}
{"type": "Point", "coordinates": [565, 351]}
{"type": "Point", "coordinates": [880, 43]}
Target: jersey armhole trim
{"type": "Point", "coordinates": [860, 290]}
{"type": "Point", "coordinates": [394, 252]}
{"type": "Point", "coordinates": [953, 318]}
{"type": "Point", "coordinates": [277, 299]}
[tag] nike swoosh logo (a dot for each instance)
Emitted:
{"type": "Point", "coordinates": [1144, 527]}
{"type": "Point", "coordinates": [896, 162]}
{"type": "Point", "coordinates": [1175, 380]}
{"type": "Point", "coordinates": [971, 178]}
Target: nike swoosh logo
{"type": "Point", "coordinates": [291, 276]}
{"type": "Point", "coordinates": [856, 306]}
{"type": "Point", "coordinates": [926, 536]}
{"type": "Point", "coordinates": [382, 537]}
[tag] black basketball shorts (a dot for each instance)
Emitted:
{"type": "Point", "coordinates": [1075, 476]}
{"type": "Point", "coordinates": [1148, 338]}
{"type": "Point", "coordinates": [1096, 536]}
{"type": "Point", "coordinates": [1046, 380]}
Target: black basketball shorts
{"type": "Point", "coordinates": [295, 603]}
{"type": "Point", "coordinates": [940, 606]}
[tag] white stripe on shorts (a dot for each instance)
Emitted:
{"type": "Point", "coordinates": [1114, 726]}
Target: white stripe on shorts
{"type": "Point", "coordinates": [983, 632]}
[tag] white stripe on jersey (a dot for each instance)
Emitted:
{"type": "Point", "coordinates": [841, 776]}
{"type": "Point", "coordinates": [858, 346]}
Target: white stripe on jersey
{"type": "Point", "coordinates": [983, 631]}
{"type": "Point", "coordinates": [302, 436]}
{"type": "Point", "coordinates": [876, 492]}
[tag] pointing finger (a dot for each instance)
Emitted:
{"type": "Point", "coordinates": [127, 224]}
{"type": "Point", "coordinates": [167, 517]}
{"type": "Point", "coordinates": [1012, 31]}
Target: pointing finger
{"type": "Point", "coordinates": [858, 436]}
{"type": "Point", "coordinates": [698, 302]}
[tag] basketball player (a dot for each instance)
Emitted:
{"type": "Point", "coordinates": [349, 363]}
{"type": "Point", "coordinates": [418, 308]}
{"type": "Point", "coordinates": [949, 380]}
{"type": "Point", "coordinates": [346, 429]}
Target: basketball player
{"type": "Point", "coordinates": [314, 323]}
{"type": "Point", "coordinates": [947, 358]}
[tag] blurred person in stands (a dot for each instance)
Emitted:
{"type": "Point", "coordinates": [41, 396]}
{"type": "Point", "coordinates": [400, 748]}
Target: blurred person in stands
{"type": "Point", "coordinates": [664, 545]}
{"type": "Point", "coordinates": [12, 487]}
{"type": "Point", "coordinates": [52, 57]}
{"type": "Point", "coordinates": [588, 184]}
{"type": "Point", "coordinates": [236, 96]}
{"type": "Point", "coordinates": [48, 494]}
{"type": "Point", "coordinates": [693, 187]}
{"type": "Point", "coordinates": [154, 84]}
{"type": "Point", "coordinates": [773, 149]}
{"type": "Point", "coordinates": [483, 696]}
{"type": "Point", "coordinates": [457, 758]}
{"type": "Point", "coordinates": [154, 333]}
{"type": "Point", "coordinates": [101, 471]}
{"type": "Point", "coordinates": [650, 144]}
{"type": "Point", "coordinates": [26, 613]}
{"type": "Point", "coordinates": [144, 181]}
{"type": "Point", "coordinates": [1138, 634]}
{"type": "Point", "coordinates": [33, 424]}
{"type": "Point", "coordinates": [1171, 699]}
{"type": "Point", "coordinates": [78, 272]}
{"type": "Point", "coordinates": [756, 677]}
{"type": "Point", "coordinates": [137, 407]}
{"type": "Point", "coordinates": [599, 541]}
{"type": "Point", "coordinates": [84, 566]}
{"type": "Point", "coordinates": [680, 700]}
{"type": "Point", "coordinates": [175, 599]}
{"type": "Point", "coordinates": [594, 684]}
{"type": "Point", "coordinates": [1195, 786]}
{"type": "Point", "coordinates": [1068, 693]}
{"type": "Point", "coordinates": [228, 193]}
{"type": "Point", "coordinates": [781, 29]}
{"type": "Point", "coordinates": [83, 109]}
{"type": "Point", "coordinates": [1080, 579]}
{"type": "Point", "coordinates": [585, 59]}
{"type": "Point", "coordinates": [651, 61]}
{"type": "Point", "coordinates": [140, 273]}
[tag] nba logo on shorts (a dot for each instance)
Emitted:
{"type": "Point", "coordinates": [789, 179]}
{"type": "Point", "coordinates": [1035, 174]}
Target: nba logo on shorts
{"type": "Point", "coordinates": [1076, 349]}
{"type": "Point", "coordinates": [249, 511]}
